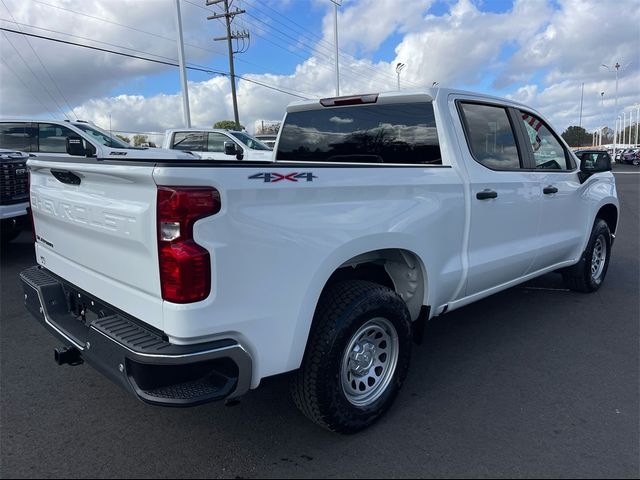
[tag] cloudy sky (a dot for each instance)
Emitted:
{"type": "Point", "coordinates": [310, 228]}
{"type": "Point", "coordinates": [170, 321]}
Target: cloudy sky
{"type": "Point", "coordinates": [536, 51]}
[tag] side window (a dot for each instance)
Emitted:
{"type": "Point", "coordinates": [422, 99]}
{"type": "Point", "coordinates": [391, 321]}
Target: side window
{"type": "Point", "coordinates": [216, 142]}
{"type": "Point", "coordinates": [53, 138]}
{"type": "Point", "coordinates": [548, 152]}
{"type": "Point", "coordinates": [18, 136]}
{"type": "Point", "coordinates": [191, 141]}
{"type": "Point", "coordinates": [490, 136]}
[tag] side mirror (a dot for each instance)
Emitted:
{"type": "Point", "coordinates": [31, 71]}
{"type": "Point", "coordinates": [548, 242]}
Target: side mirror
{"type": "Point", "coordinates": [230, 148]}
{"type": "Point", "coordinates": [590, 165]}
{"type": "Point", "coordinates": [75, 147]}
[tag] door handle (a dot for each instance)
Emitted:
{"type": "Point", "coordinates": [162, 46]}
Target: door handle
{"type": "Point", "coordinates": [549, 190]}
{"type": "Point", "coordinates": [67, 177]}
{"type": "Point", "coordinates": [486, 194]}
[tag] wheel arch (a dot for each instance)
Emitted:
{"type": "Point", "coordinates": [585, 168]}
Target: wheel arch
{"type": "Point", "coordinates": [609, 213]}
{"type": "Point", "coordinates": [397, 267]}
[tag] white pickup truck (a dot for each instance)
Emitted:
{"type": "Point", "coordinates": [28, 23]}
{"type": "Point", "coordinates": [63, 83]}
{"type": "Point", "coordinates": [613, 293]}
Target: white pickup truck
{"type": "Point", "coordinates": [191, 281]}
{"type": "Point", "coordinates": [217, 144]}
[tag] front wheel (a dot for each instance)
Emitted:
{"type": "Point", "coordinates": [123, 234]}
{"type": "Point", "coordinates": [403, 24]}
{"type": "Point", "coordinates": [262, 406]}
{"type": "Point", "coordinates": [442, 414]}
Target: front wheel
{"type": "Point", "coordinates": [590, 273]}
{"type": "Point", "coordinates": [357, 356]}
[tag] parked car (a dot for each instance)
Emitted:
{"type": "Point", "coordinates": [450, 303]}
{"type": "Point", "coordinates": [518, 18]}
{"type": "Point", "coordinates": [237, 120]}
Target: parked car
{"type": "Point", "coordinates": [218, 144]}
{"type": "Point", "coordinates": [14, 193]}
{"type": "Point", "coordinates": [268, 139]}
{"type": "Point", "coordinates": [594, 157]}
{"type": "Point", "coordinates": [186, 284]}
{"type": "Point", "coordinates": [631, 156]}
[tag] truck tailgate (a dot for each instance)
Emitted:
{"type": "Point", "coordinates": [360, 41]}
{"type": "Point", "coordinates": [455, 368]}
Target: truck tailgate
{"type": "Point", "coordinates": [95, 226]}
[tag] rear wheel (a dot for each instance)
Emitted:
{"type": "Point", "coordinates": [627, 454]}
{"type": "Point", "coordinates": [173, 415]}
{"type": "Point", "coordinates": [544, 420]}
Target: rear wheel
{"type": "Point", "coordinates": [590, 273]}
{"type": "Point", "coordinates": [357, 356]}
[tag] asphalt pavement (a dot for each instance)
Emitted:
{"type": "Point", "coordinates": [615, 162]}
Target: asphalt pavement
{"type": "Point", "coordinates": [536, 381]}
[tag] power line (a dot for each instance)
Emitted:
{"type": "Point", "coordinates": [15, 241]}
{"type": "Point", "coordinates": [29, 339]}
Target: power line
{"type": "Point", "coordinates": [112, 22]}
{"type": "Point", "coordinates": [162, 62]}
{"type": "Point", "coordinates": [326, 61]}
{"type": "Point", "coordinates": [46, 109]}
{"type": "Point", "coordinates": [172, 40]}
{"type": "Point", "coordinates": [33, 73]}
{"type": "Point", "coordinates": [55, 84]}
{"type": "Point", "coordinates": [328, 47]}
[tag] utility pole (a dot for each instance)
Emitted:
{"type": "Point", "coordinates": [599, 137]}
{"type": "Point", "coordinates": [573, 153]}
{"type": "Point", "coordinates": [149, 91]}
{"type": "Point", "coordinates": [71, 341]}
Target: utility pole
{"type": "Point", "coordinates": [336, 4]}
{"type": "Point", "coordinates": [229, 16]}
{"type": "Point", "coordinates": [183, 72]}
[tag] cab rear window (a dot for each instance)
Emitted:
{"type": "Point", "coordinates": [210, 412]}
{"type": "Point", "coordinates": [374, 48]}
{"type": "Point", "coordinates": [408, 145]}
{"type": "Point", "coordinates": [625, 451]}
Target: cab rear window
{"type": "Point", "coordinates": [395, 134]}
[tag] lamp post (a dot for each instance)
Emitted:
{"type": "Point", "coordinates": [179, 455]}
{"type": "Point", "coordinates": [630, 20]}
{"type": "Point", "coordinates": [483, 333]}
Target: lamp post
{"type": "Point", "coordinates": [399, 67]}
{"type": "Point", "coordinates": [637, 121]}
{"type": "Point", "coordinates": [601, 116]}
{"type": "Point", "coordinates": [616, 67]}
{"type": "Point", "coordinates": [336, 4]}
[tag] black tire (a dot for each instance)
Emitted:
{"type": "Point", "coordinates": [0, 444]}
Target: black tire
{"type": "Point", "coordinates": [343, 311]}
{"type": "Point", "coordinates": [582, 277]}
{"type": "Point", "coordinates": [10, 229]}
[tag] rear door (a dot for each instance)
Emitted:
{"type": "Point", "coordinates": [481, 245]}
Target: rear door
{"type": "Point", "coordinates": [95, 226]}
{"type": "Point", "coordinates": [505, 201]}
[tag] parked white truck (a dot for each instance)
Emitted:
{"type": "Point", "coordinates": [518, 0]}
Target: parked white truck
{"type": "Point", "coordinates": [187, 282]}
{"type": "Point", "coordinates": [217, 144]}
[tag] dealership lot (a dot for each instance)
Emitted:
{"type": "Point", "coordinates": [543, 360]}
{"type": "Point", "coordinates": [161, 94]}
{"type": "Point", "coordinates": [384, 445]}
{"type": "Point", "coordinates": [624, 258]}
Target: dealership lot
{"type": "Point", "coordinates": [535, 381]}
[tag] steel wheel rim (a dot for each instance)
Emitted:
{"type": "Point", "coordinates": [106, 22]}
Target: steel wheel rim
{"type": "Point", "coordinates": [598, 258]}
{"type": "Point", "coordinates": [369, 362]}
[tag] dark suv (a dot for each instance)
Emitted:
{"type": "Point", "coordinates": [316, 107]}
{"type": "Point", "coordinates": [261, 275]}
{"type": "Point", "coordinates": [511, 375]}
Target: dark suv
{"type": "Point", "coordinates": [14, 192]}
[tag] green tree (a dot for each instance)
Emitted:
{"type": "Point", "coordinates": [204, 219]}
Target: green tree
{"type": "Point", "coordinates": [123, 138]}
{"type": "Point", "coordinates": [139, 140]}
{"type": "Point", "coordinates": [577, 136]}
{"type": "Point", "coordinates": [227, 125]}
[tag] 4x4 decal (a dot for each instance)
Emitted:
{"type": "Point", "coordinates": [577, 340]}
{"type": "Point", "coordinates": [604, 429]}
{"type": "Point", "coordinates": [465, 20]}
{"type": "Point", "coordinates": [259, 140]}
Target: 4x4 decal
{"type": "Point", "coordinates": [272, 177]}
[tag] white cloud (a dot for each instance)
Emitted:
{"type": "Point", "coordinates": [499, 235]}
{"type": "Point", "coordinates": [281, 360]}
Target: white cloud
{"type": "Point", "coordinates": [539, 52]}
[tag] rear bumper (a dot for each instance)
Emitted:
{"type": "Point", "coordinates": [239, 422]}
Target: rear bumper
{"type": "Point", "coordinates": [133, 355]}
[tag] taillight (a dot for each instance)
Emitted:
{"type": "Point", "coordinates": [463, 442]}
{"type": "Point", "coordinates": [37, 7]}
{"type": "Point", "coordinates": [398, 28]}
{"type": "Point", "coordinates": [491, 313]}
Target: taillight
{"type": "Point", "coordinates": [185, 267]}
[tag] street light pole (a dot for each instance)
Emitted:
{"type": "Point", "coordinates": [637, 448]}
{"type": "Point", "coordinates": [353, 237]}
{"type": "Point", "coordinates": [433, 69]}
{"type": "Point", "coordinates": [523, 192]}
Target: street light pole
{"type": "Point", "coordinates": [335, 32]}
{"type": "Point", "coordinates": [399, 68]}
{"type": "Point", "coordinates": [637, 121]}
{"type": "Point", "coordinates": [183, 73]}
{"type": "Point", "coordinates": [617, 67]}
{"type": "Point", "coordinates": [581, 101]}
{"type": "Point", "coordinates": [601, 115]}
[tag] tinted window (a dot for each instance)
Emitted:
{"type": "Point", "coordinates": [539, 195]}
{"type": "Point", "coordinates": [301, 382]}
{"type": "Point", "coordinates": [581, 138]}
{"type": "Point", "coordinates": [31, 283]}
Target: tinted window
{"type": "Point", "coordinates": [18, 136]}
{"type": "Point", "coordinates": [192, 141]}
{"type": "Point", "coordinates": [251, 142]}
{"type": "Point", "coordinates": [490, 136]}
{"type": "Point", "coordinates": [548, 152]}
{"type": "Point", "coordinates": [53, 138]}
{"type": "Point", "coordinates": [102, 137]}
{"type": "Point", "coordinates": [400, 133]}
{"type": "Point", "coordinates": [216, 142]}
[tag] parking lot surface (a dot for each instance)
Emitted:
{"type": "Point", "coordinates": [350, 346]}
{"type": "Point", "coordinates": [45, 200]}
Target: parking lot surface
{"type": "Point", "coordinates": [536, 381]}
